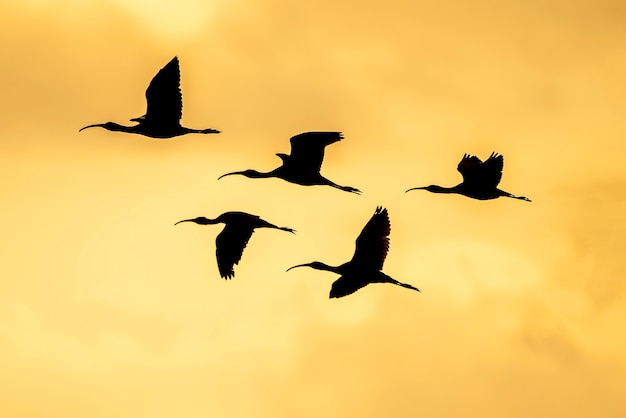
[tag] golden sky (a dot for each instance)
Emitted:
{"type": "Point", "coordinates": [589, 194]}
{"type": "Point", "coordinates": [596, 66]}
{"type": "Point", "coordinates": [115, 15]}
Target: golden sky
{"type": "Point", "coordinates": [108, 310]}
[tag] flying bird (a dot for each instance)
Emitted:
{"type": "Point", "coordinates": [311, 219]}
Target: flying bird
{"type": "Point", "coordinates": [365, 267]}
{"type": "Point", "coordinates": [480, 179]}
{"type": "Point", "coordinates": [303, 165]}
{"type": "Point", "coordinates": [234, 237]}
{"type": "Point", "coordinates": [165, 108]}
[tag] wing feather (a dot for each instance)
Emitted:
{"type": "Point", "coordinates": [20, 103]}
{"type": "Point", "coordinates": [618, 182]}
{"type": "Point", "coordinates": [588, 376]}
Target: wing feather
{"type": "Point", "coordinates": [492, 169]}
{"type": "Point", "coordinates": [372, 245]}
{"type": "Point", "coordinates": [230, 244]}
{"type": "Point", "coordinates": [483, 174]}
{"type": "Point", "coordinates": [165, 100]}
{"type": "Point", "coordinates": [307, 149]}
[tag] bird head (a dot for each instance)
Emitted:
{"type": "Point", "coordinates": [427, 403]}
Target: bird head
{"type": "Point", "coordinates": [111, 126]}
{"type": "Point", "coordinates": [200, 221]}
{"type": "Point", "coordinates": [433, 188]}
{"type": "Point", "coordinates": [248, 173]}
{"type": "Point", "coordinates": [315, 264]}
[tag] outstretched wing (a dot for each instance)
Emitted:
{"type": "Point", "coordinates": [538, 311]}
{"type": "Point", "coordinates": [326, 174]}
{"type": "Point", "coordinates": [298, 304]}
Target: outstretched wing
{"type": "Point", "coordinates": [165, 100]}
{"type": "Point", "coordinates": [372, 244]}
{"type": "Point", "coordinates": [484, 174]}
{"type": "Point", "coordinates": [307, 149]}
{"type": "Point", "coordinates": [229, 247]}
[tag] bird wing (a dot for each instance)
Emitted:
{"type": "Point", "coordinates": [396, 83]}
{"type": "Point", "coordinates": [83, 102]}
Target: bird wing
{"type": "Point", "coordinates": [492, 170]}
{"type": "Point", "coordinates": [229, 247]}
{"type": "Point", "coordinates": [372, 244]}
{"type": "Point", "coordinates": [485, 174]}
{"type": "Point", "coordinates": [165, 100]}
{"type": "Point", "coordinates": [307, 149]}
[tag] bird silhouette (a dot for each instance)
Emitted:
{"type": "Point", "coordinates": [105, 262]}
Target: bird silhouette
{"type": "Point", "coordinates": [231, 242]}
{"type": "Point", "coordinates": [365, 267]}
{"type": "Point", "coordinates": [480, 179]}
{"type": "Point", "coordinates": [165, 108]}
{"type": "Point", "coordinates": [303, 165]}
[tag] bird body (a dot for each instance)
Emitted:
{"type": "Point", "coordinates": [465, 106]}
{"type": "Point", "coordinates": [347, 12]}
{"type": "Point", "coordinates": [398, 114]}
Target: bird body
{"type": "Point", "coordinates": [230, 243]}
{"type": "Point", "coordinates": [480, 179]}
{"type": "Point", "coordinates": [366, 264]}
{"type": "Point", "coordinates": [302, 166]}
{"type": "Point", "coordinates": [164, 108]}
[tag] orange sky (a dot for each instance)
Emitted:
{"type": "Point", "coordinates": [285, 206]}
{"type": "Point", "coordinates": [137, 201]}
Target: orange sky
{"type": "Point", "coordinates": [107, 309]}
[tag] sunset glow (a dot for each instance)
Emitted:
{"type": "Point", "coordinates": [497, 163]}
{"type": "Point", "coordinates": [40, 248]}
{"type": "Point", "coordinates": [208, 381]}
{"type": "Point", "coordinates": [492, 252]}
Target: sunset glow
{"type": "Point", "coordinates": [109, 310]}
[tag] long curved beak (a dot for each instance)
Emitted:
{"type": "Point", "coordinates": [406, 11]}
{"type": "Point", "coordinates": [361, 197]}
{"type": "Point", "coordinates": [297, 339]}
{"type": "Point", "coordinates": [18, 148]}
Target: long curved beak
{"type": "Point", "coordinates": [230, 174]}
{"type": "Point", "coordinates": [415, 188]}
{"type": "Point", "coordinates": [300, 265]}
{"type": "Point", "coordinates": [184, 220]}
{"type": "Point", "coordinates": [91, 126]}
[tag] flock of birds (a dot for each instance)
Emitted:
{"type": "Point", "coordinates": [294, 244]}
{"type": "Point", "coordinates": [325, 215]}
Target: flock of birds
{"type": "Point", "coordinates": [302, 166]}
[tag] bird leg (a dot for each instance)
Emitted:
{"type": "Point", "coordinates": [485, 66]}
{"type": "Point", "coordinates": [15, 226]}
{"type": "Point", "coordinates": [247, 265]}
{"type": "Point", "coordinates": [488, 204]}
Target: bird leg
{"type": "Point", "coordinates": [383, 278]}
{"type": "Point", "coordinates": [506, 194]}
{"type": "Point", "coordinates": [200, 131]}
{"type": "Point", "coordinates": [350, 189]}
{"type": "Point", "coordinates": [344, 188]}
{"type": "Point", "coordinates": [408, 286]}
{"type": "Point", "coordinates": [264, 224]}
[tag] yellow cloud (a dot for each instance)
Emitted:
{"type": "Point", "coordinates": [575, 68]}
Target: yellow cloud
{"type": "Point", "coordinates": [170, 19]}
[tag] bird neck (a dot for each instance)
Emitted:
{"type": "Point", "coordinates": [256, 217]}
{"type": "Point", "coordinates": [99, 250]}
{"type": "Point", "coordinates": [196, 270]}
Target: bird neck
{"type": "Point", "coordinates": [317, 265]}
{"type": "Point", "coordinates": [440, 189]}
{"type": "Point", "coordinates": [201, 221]}
{"type": "Point", "coordinates": [122, 128]}
{"type": "Point", "coordinates": [112, 126]}
{"type": "Point", "coordinates": [253, 174]}
{"type": "Point", "coordinates": [259, 175]}
{"type": "Point", "coordinates": [207, 221]}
